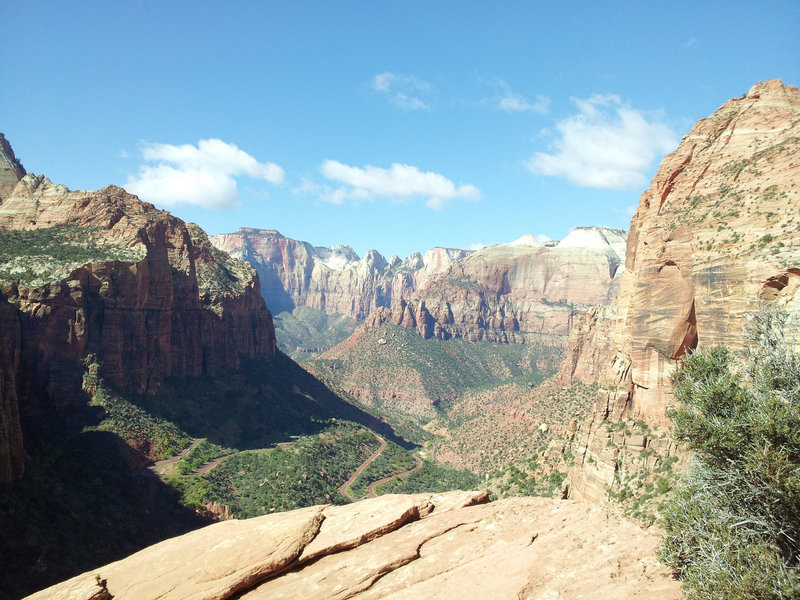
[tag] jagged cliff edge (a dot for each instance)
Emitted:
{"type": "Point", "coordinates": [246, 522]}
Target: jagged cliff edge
{"type": "Point", "coordinates": [714, 237]}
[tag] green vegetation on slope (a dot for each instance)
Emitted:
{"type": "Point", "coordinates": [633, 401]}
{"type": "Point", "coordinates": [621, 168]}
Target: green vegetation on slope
{"type": "Point", "coordinates": [303, 473]}
{"type": "Point", "coordinates": [38, 256]}
{"type": "Point", "coordinates": [733, 529]}
{"type": "Point", "coordinates": [430, 478]}
{"type": "Point", "coordinates": [391, 461]}
{"type": "Point", "coordinates": [306, 331]}
{"type": "Point", "coordinates": [408, 380]}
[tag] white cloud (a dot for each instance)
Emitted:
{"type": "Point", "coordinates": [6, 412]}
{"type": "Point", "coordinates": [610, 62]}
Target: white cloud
{"type": "Point", "coordinates": [542, 238]}
{"type": "Point", "coordinates": [607, 144]}
{"type": "Point", "coordinates": [201, 175]}
{"type": "Point", "coordinates": [510, 101]}
{"type": "Point", "coordinates": [404, 91]}
{"type": "Point", "coordinates": [400, 183]}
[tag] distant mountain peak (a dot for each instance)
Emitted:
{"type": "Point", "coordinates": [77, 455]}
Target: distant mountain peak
{"type": "Point", "coordinates": [11, 169]}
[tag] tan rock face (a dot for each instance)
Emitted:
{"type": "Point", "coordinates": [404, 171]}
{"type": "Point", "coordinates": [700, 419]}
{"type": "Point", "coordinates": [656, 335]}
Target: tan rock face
{"type": "Point", "coordinates": [11, 169]}
{"type": "Point", "coordinates": [500, 293]}
{"type": "Point", "coordinates": [167, 304]}
{"type": "Point", "coordinates": [333, 280]}
{"type": "Point", "coordinates": [452, 545]}
{"type": "Point", "coordinates": [715, 236]}
{"type": "Point", "coordinates": [507, 292]}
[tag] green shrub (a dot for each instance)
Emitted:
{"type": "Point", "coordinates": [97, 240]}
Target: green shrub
{"type": "Point", "coordinates": [733, 529]}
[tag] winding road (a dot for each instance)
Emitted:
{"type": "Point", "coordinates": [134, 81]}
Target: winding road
{"type": "Point", "coordinates": [158, 466]}
{"type": "Point", "coordinates": [344, 488]}
{"type": "Point", "coordinates": [371, 488]}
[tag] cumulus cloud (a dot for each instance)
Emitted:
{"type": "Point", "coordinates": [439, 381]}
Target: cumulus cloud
{"type": "Point", "coordinates": [399, 183]}
{"type": "Point", "coordinates": [404, 91]}
{"type": "Point", "coordinates": [607, 144]}
{"type": "Point", "coordinates": [510, 101]}
{"type": "Point", "coordinates": [201, 175]}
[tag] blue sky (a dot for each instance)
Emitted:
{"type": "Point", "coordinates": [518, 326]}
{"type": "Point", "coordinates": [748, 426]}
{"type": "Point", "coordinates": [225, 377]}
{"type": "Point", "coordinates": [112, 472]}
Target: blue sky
{"type": "Point", "coordinates": [397, 126]}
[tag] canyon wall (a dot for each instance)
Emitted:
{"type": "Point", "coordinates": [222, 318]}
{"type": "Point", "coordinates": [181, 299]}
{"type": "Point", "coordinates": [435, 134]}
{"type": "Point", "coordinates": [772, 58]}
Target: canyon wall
{"type": "Point", "coordinates": [334, 280]}
{"type": "Point", "coordinates": [101, 276]}
{"type": "Point", "coordinates": [500, 293]}
{"type": "Point", "coordinates": [714, 238]}
{"type": "Point", "coordinates": [11, 169]}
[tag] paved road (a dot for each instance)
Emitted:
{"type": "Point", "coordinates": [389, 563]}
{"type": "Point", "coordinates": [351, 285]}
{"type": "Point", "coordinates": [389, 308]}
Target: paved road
{"type": "Point", "coordinates": [344, 488]}
{"type": "Point", "coordinates": [158, 466]}
{"type": "Point", "coordinates": [371, 488]}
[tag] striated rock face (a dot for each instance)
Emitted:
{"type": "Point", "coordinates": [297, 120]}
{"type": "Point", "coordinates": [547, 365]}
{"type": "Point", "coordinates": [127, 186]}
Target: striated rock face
{"type": "Point", "coordinates": [421, 546]}
{"type": "Point", "coordinates": [510, 292]}
{"type": "Point", "coordinates": [715, 237]}
{"type": "Point", "coordinates": [499, 293]}
{"type": "Point", "coordinates": [104, 275]}
{"type": "Point", "coordinates": [333, 280]}
{"type": "Point", "coordinates": [11, 170]}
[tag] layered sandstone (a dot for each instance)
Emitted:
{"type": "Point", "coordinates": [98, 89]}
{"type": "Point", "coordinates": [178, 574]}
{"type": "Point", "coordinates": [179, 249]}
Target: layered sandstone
{"type": "Point", "coordinates": [516, 291]}
{"type": "Point", "coordinates": [11, 169]}
{"type": "Point", "coordinates": [500, 293]}
{"type": "Point", "coordinates": [423, 546]}
{"type": "Point", "coordinates": [334, 280]}
{"type": "Point", "coordinates": [714, 238]}
{"type": "Point", "coordinates": [155, 300]}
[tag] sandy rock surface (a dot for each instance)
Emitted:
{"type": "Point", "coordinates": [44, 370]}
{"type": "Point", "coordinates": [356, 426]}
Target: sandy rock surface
{"type": "Point", "coordinates": [452, 545]}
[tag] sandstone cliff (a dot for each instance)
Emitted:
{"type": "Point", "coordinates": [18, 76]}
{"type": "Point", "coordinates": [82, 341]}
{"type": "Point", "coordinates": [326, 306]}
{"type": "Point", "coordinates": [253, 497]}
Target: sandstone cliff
{"type": "Point", "coordinates": [451, 545]}
{"type": "Point", "coordinates": [502, 293]}
{"type": "Point", "coordinates": [510, 292]}
{"type": "Point", "coordinates": [714, 237]}
{"type": "Point", "coordinates": [103, 275]}
{"type": "Point", "coordinates": [333, 280]}
{"type": "Point", "coordinates": [11, 169]}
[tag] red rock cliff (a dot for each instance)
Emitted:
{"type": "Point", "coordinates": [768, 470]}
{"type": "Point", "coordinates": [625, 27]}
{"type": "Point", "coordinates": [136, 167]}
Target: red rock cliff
{"type": "Point", "coordinates": [714, 237]}
{"type": "Point", "coordinates": [155, 301]}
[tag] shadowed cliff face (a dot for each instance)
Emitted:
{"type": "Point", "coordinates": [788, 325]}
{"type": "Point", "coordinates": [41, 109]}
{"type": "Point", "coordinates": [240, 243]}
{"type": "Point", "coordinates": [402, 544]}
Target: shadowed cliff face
{"type": "Point", "coordinates": [714, 237]}
{"type": "Point", "coordinates": [103, 274]}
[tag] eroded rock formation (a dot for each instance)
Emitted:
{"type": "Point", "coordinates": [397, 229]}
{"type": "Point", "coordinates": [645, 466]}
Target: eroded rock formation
{"type": "Point", "coordinates": [11, 169]}
{"type": "Point", "coordinates": [421, 546]}
{"type": "Point", "coordinates": [510, 292]}
{"type": "Point", "coordinates": [104, 275]}
{"type": "Point", "coordinates": [334, 280]}
{"type": "Point", "coordinates": [714, 237]}
{"type": "Point", "coordinates": [501, 293]}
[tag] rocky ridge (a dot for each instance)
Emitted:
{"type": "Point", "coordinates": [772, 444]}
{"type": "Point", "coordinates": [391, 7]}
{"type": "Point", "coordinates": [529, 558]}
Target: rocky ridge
{"type": "Point", "coordinates": [104, 277]}
{"type": "Point", "coordinates": [512, 292]}
{"type": "Point", "coordinates": [420, 546]}
{"type": "Point", "coordinates": [11, 169]}
{"type": "Point", "coordinates": [334, 280]}
{"type": "Point", "coordinates": [499, 293]}
{"type": "Point", "coordinates": [714, 237]}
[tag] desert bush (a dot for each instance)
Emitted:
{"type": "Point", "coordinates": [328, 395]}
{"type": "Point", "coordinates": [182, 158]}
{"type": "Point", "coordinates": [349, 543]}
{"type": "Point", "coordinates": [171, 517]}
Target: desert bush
{"type": "Point", "coordinates": [733, 529]}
